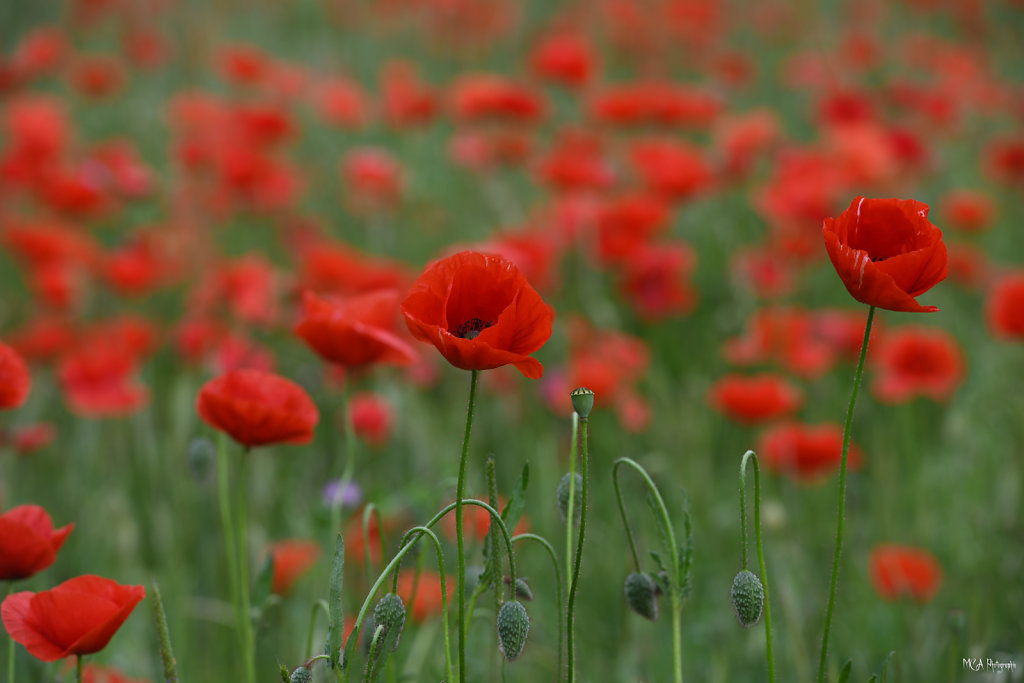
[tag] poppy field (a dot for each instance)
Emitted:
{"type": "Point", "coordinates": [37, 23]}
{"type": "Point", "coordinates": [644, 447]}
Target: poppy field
{"type": "Point", "coordinates": [452, 340]}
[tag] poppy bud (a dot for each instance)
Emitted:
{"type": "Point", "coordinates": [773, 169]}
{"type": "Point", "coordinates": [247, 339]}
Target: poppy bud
{"type": "Point", "coordinates": [390, 613]}
{"type": "Point", "coordinates": [642, 595]}
{"type": "Point", "coordinates": [513, 627]}
{"type": "Point", "coordinates": [199, 457]}
{"type": "Point", "coordinates": [562, 493]}
{"type": "Point", "coordinates": [747, 598]}
{"type": "Point", "coordinates": [523, 590]}
{"type": "Point", "coordinates": [582, 401]}
{"type": "Point", "coordinates": [301, 675]}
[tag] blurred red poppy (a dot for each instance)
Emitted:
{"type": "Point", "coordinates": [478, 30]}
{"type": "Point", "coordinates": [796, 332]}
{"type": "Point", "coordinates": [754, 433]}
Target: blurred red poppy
{"type": "Point", "coordinates": [806, 452]}
{"type": "Point", "coordinates": [968, 210]}
{"type": "Point", "coordinates": [917, 361]}
{"type": "Point", "coordinates": [28, 541]}
{"type": "Point", "coordinates": [97, 380]}
{"type": "Point", "coordinates": [755, 398]}
{"type": "Point", "coordinates": [372, 418]}
{"type": "Point", "coordinates": [15, 382]}
{"type": "Point", "coordinates": [257, 408]}
{"type": "Point", "coordinates": [886, 252]}
{"type": "Point", "coordinates": [94, 673]}
{"type": "Point", "coordinates": [904, 571]}
{"type": "Point", "coordinates": [564, 58]}
{"type": "Point", "coordinates": [78, 617]}
{"type": "Point", "coordinates": [1005, 307]}
{"type": "Point", "coordinates": [655, 280]}
{"type": "Point", "coordinates": [480, 313]}
{"type": "Point", "coordinates": [357, 331]}
{"type": "Point", "coordinates": [30, 438]}
{"type": "Point", "coordinates": [426, 602]}
{"type": "Point", "coordinates": [292, 558]}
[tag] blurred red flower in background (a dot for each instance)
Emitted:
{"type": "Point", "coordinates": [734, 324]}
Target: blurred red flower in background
{"type": "Point", "coordinates": [1005, 307]}
{"type": "Point", "coordinates": [564, 58]}
{"type": "Point", "coordinates": [257, 408]}
{"type": "Point", "coordinates": [94, 673]}
{"type": "Point", "coordinates": [917, 361]}
{"type": "Point", "coordinates": [753, 399]}
{"type": "Point", "coordinates": [480, 313]}
{"type": "Point", "coordinates": [372, 418]}
{"type": "Point", "coordinates": [427, 600]}
{"type": "Point", "coordinates": [886, 252]}
{"type": "Point", "coordinates": [806, 452]}
{"type": "Point", "coordinates": [292, 558]}
{"type": "Point", "coordinates": [28, 541]}
{"type": "Point", "coordinates": [899, 571]}
{"type": "Point", "coordinates": [78, 617]}
{"type": "Point", "coordinates": [968, 210]}
{"type": "Point", "coordinates": [15, 382]}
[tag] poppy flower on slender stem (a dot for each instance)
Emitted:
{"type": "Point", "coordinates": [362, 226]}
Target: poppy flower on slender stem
{"type": "Point", "coordinates": [28, 541]}
{"type": "Point", "coordinates": [78, 617]}
{"type": "Point", "coordinates": [15, 381]}
{"type": "Point", "coordinates": [898, 571]}
{"type": "Point", "coordinates": [292, 558]}
{"type": "Point", "coordinates": [480, 313]}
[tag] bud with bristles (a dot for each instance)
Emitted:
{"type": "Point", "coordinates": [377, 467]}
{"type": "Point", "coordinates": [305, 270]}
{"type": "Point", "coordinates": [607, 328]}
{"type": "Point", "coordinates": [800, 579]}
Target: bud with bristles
{"type": "Point", "coordinates": [562, 493]}
{"type": "Point", "coordinates": [582, 401]}
{"type": "Point", "coordinates": [642, 595]}
{"type": "Point", "coordinates": [747, 598]}
{"type": "Point", "coordinates": [390, 613]}
{"type": "Point", "coordinates": [301, 675]}
{"type": "Point", "coordinates": [523, 590]}
{"type": "Point", "coordinates": [513, 627]}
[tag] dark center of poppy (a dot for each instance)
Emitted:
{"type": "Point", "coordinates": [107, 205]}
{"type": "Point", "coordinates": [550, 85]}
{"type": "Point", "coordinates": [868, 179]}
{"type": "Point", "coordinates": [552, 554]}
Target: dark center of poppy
{"type": "Point", "coordinates": [471, 329]}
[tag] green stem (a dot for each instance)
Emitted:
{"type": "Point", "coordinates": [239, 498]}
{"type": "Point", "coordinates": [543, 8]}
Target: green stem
{"type": "Point", "coordinates": [249, 646]}
{"type": "Point", "coordinates": [677, 640]}
{"type": "Point", "coordinates": [319, 604]}
{"type": "Point", "coordinates": [625, 524]}
{"type": "Point", "coordinates": [841, 512]}
{"type": "Point", "coordinates": [750, 456]}
{"type": "Point", "coordinates": [350, 458]}
{"type": "Point", "coordinates": [492, 539]}
{"type": "Point", "coordinates": [78, 668]}
{"type": "Point", "coordinates": [444, 593]}
{"type": "Point", "coordinates": [578, 560]}
{"type": "Point", "coordinates": [166, 653]}
{"type": "Point", "coordinates": [368, 512]}
{"type": "Point", "coordinates": [569, 516]}
{"type": "Point", "coordinates": [228, 529]}
{"type": "Point", "coordinates": [558, 586]}
{"type": "Point", "coordinates": [460, 488]}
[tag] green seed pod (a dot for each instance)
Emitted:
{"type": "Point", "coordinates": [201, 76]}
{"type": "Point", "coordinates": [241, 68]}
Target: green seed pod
{"type": "Point", "coordinates": [747, 598]}
{"type": "Point", "coordinates": [642, 595]}
{"type": "Point", "coordinates": [390, 613]}
{"type": "Point", "coordinates": [562, 493]}
{"type": "Point", "coordinates": [301, 675]}
{"type": "Point", "coordinates": [513, 627]}
{"type": "Point", "coordinates": [523, 590]}
{"type": "Point", "coordinates": [582, 401]}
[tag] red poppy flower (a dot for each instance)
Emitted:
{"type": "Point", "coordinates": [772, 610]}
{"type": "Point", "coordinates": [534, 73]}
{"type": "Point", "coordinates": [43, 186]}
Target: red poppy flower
{"type": "Point", "coordinates": [405, 99]}
{"type": "Point", "coordinates": [292, 559]}
{"type": "Point", "coordinates": [1005, 309]}
{"type": "Point", "coordinates": [426, 602]}
{"type": "Point", "coordinates": [372, 418]}
{"type": "Point", "coordinates": [480, 313]}
{"type": "Point", "coordinates": [257, 408]}
{"type": "Point", "coordinates": [898, 571]}
{"type": "Point", "coordinates": [30, 438]}
{"type": "Point", "coordinates": [15, 382]}
{"type": "Point", "coordinates": [807, 452]}
{"type": "Point", "coordinates": [917, 361]}
{"type": "Point", "coordinates": [563, 58]}
{"type": "Point", "coordinates": [655, 280]}
{"type": "Point", "coordinates": [94, 673]}
{"type": "Point", "coordinates": [97, 380]}
{"type": "Point", "coordinates": [356, 331]}
{"type": "Point", "coordinates": [968, 210]}
{"type": "Point", "coordinates": [754, 399]}
{"type": "Point", "coordinates": [28, 541]}
{"type": "Point", "coordinates": [78, 617]}
{"type": "Point", "coordinates": [886, 252]}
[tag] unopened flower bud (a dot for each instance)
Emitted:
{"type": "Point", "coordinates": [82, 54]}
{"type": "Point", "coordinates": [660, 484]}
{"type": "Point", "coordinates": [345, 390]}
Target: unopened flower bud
{"type": "Point", "coordinates": [513, 627]}
{"type": "Point", "coordinates": [642, 595]}
{"type": "Point", "coordinates": [562, 493]}
{"type": "Point", "coordinates": [390, 613]}
{"type": "Point", "coordinates": [302, 675]}
{"type": "Point", "coordinates": [582, 401]}
{"type": "Point", "coordinates": [523, 590]}
{"type": "Point", "coordinates": [747, 598]}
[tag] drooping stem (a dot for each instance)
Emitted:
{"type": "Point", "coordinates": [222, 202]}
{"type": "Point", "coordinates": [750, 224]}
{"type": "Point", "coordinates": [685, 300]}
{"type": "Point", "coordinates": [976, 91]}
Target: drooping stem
{"type": "Point", "coordinates": [577, 561]}
{"type": "Point", "coordinates": [625, 524]}
{"type": "Point", "coordinates": [570, 516]}
{"type": "Point", "coordinates": [420, 530]}
{"type": "Point", "coordinates": [460, 489]}
{"type": "Point", "coordinates": [750, 456]}
{"type": "Point", "coordinates": [841, 511]}
{"type": "Point", "coordinates": [492, 538]}
{"type": "Point", "coordinates": [249, 646]}
{"type": "Point", "coordinates": [558, 586]}
{"type": "Point", "coordinates": [228, 530]}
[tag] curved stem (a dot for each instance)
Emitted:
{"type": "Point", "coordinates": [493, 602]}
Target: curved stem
{"type": "Point", "coordinates": [577, 561]}
{"type": "Point", "coordinates": [249, 646]}
{"type": "Point", "coordinates": [460, 489]}
{"type": "Point", "coordinates": [319, 604]}
{"type": "Point", "coordinates": [558, 585]}
{"type": "Point", "coordinates": [750, 456]}
{"type": "Point", "coordinates": [444, 593]}
{"type": "Point", "coordinates": [570, 516]}
{"type": "Point", "coordinates": [368, 512]}
{"type": "Point", "coordinates": [625, 522]}
{"type": "Point", "coordinates": [841, 512]}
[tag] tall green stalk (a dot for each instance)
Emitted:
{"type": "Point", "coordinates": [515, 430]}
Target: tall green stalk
{"type": "Point", "coordinates": [460, 488]}
{"type": "Point", "coordinates": [750, 456]}
{"type": "Point", "coordinates": [248, 637]}
{"type": "Point", "coordinates": [577, 561]}
{"type": "Point", "coordinates": [841, 513]}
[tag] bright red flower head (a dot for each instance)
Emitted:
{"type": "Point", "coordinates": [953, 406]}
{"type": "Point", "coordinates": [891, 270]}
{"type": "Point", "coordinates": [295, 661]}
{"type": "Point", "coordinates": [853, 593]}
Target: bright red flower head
{"type": "Point", "coordinates": [292, 559]}
{"type": "Point", "coordinates": [15, 382]}
{"type": "Point", "coordinates": [357, 331]}
{"type": "Point", "coordinates": [898, 571]}
{"type": "Point", "coordinates": [480, 313]}
{"type": "Point", "coordinates": [806, 452]}
{"type": "Point", "coordinates": [917, 361]}
{"type": "Point", "coordinates": [257, 408]}
{"type": "Point", "coordinates": [1005, 309]}
{"type": "Point", "coordinates": [78, 617]}
{"type": "Point", "coordinates": [886, 252]}
{"type": "Point", "coordinates": [28, 541]}
{"type": "Point", "coordinates": [754, 399]}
